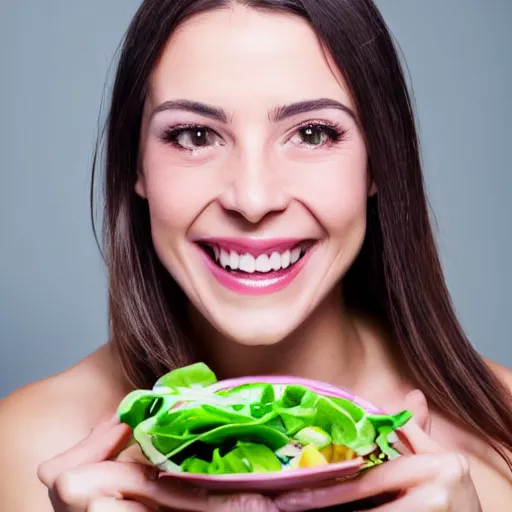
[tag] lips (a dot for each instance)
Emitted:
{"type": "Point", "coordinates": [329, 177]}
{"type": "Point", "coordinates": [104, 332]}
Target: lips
{"type": "Point", "coordinates": [255, 266]}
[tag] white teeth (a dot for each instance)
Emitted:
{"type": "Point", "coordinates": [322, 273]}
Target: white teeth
{"type": "Point", "coordinates": [295, 255]}
{"type": "Point", "coordinates": [285, 259]}
{"type": "Point", "coordinates": [263, 263]}
{"type": "Point", "coordinates": [275, 261]}
{"type": "Point", "coordinates": [224, 258]}
{"type": "Point", "coordinates": [247, 263]}
{"type": "Point", "coordinates": [234, 260]}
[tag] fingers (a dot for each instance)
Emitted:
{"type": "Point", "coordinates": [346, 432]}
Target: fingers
{"type": "Point", "coordinates": [414, 435]}
{"type": "Point", "coordinates": [423, 498]}
{"type": "Point", "coordinates": [241, 503]}
{"type": "Point", "coordinates": [75, 489]}
{"type": "Point", "coordinates": [113, 505]}
{"type": "Point", "coordinates": [392, 476]}
{"type": "Point", "coordinates": [133, 454]}
{"type": "Point", "coordinates": [417, 439]}
{"type": "Point", "coordinates": [104, 442]}
{"type": "Point", "coordinates": [416, 402]}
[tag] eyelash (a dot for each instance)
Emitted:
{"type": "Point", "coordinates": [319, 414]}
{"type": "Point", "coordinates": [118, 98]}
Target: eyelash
{"type": "Point", "coordinates": [171, 135]}
{"type": "Point", "coordinates": [334, 132]}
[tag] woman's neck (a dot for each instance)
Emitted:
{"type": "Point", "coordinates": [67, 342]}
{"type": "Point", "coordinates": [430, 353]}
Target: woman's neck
{"type": "Point", "coordinates": [333, 345]}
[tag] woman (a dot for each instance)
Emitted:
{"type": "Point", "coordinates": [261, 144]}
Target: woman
{"type": "Point", "coordinates": [265, 213]}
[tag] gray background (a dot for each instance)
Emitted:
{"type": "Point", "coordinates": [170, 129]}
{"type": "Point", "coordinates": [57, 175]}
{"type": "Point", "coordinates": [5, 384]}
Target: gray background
{"type": "Point", "coordinates": [54, 59]}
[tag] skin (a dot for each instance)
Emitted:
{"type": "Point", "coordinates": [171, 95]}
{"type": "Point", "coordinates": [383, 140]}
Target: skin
{"type": "Point", "coordinates": [256, 178]}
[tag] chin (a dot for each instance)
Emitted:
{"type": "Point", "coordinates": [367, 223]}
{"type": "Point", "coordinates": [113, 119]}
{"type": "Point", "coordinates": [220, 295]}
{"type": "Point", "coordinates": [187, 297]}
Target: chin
{"type": "Point", "coordinates": [259, 328]}
{"type": "Point", "coordinates": [264, 338]}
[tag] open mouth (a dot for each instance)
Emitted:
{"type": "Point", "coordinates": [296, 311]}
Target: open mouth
{"type": "Point", "coordinates": [255, 265]}
{"type": "Point", "coordinates": [248, 266]}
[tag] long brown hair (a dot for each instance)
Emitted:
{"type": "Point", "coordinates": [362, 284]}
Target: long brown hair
{"type": "Point", "coordinates": [397, 275]}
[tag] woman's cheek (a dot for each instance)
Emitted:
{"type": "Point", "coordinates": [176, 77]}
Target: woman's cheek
{"type": "Point", "coordinates": [176, 193]}
{"type": "Point", "coordinates": [337, 197]}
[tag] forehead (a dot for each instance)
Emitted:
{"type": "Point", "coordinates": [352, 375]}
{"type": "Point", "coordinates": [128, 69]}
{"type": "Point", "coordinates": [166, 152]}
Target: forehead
{"type": "Point", "coordinates": [229, 56]}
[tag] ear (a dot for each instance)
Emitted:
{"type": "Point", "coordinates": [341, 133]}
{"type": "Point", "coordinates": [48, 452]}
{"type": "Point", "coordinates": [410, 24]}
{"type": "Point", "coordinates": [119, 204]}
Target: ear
{"type": "Point", "coordinates": [140, 185]}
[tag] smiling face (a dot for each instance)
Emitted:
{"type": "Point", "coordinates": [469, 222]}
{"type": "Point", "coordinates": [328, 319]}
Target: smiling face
{"type": "Point", "coordinates": [254, 169]}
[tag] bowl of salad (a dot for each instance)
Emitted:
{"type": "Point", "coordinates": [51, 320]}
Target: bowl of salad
{"type": "Point", "coordinates": [263, 433]}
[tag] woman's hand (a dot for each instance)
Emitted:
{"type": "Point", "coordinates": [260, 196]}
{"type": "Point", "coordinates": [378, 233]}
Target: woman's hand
{"type": "Point", "coordinates": [88, 478]}
{"type": "Point", "coordinates": [428, 480]}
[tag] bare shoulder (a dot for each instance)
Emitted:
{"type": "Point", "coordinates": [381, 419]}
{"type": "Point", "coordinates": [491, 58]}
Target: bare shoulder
{"type": "Point", "coordinates": [503, 373]}
{"type": "Point", "coordinates": [491, 474]}
{"type": "Point", "coordinates": [46, 418]}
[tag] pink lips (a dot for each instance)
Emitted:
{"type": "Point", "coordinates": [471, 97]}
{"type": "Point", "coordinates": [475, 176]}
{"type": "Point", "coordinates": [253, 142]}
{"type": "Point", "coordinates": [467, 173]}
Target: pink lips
{"type": "Point", "coordinates": [257, 283]}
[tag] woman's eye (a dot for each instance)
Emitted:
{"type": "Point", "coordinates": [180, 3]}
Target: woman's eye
{"type": "Point", "coordinates": [192, 138]}
{"type": "Point", "coordinates": [314, 135]}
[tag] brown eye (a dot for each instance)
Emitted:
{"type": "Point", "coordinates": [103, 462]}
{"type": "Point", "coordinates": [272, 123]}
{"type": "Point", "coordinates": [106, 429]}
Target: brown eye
{"type": "Point", "coordinates": [192, 137]}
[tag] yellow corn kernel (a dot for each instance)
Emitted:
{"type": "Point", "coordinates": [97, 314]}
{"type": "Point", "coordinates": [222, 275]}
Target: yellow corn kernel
{"type": "Point", "coordinates": [311, 458]}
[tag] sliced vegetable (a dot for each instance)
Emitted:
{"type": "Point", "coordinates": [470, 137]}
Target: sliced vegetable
{"type": "Point", "coordinates": [314, 436]}
{"type": "Point", "coordinates": [311, 457]}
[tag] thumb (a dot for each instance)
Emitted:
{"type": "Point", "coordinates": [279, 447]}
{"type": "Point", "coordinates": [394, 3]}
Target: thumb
{"type": "Point", "coordinates": [415, 435]}
{"type": "Point", "coordinates": [104, 442]}
{"type": "Point", "coordinates": [416, 402]}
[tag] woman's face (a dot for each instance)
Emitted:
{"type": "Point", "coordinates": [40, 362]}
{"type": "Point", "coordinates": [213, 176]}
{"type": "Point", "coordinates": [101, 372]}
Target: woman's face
{"type": "Point", "coordinates": [254, 169]}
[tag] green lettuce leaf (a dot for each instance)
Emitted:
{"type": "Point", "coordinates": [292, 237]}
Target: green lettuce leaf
{"type": "Point", "coordinates": [255, 433]}
{"type": "Point", "coordinates": [181, 425]}
{"type": "Point", "coordinates": [192, 376]}
{"type": "Point", "coordinates": [244, 458]}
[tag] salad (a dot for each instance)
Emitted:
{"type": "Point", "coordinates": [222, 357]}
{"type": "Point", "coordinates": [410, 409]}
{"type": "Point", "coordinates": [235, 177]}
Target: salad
{"type": "Point", "coordinates": [186, 424]}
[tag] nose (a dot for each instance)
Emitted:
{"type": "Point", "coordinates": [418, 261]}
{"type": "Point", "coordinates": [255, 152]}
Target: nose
{"type": "Point", "coordinates": [253, 189]}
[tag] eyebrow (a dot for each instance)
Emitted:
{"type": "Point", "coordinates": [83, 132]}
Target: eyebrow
{"type": "Point", "coordinates": [282, 112]}
{"type": "Point", "coordinates": [193, 106]}
{"type": "Point", "coordinates": [277, 114]}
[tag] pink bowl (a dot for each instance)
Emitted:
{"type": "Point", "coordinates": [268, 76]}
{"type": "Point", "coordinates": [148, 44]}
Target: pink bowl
{"type": "Point", "coordinates": [287, 479]}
